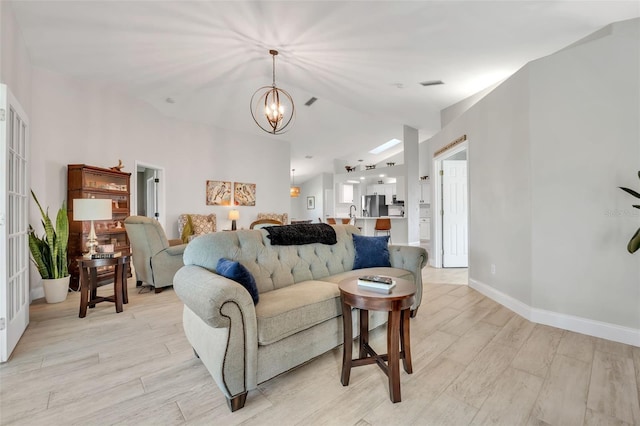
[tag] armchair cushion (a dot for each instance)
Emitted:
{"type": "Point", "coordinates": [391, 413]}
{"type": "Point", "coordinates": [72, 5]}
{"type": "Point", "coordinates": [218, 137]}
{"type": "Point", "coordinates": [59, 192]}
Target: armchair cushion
{"type": "Point", "coordinates": [199, 223]}
{"type": "Point", "coordinates": [283, 218]}
{"type": "Point", "coordinates": [371, 252]}
{"type": "Point", "coordinates": [238, 273]}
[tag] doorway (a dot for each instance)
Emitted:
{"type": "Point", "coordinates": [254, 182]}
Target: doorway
{"type": "Point", "coordinates": [14, 219]}
{"type": "Point", "coordinates": [149, 194]}
{"type": "Point", "coordinates": [451, 242]}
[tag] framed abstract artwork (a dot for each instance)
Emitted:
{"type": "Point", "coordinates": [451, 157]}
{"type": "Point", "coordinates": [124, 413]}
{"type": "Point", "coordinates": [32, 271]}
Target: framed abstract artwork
{"type": "Point", "coordinates": [244, 194]}
{"type": "Point", "coordinates": [218, 193]}
{"type": "Point", "coordinates": [311, 203]}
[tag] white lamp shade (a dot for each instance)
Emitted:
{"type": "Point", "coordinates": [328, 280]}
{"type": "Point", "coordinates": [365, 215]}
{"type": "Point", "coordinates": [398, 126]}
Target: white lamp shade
{"type": "Point", "coordinates": [234, 214]}
{"type": "Point", "coordinates": [91, 209]}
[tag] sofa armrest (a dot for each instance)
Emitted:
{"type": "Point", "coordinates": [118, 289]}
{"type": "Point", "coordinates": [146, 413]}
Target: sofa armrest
{"type": "Point", "coordinates": [220, 323]}
{"type": "Point", "coordinates": [413, 259]}
{"type": "Point", "coordinates": [205, 293]}
{"type": "Point", "coordinates": [165, 264]}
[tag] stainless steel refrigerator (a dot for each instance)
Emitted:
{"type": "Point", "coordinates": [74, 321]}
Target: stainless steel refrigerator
{"type": "Point", "coordinates": [374, 206]}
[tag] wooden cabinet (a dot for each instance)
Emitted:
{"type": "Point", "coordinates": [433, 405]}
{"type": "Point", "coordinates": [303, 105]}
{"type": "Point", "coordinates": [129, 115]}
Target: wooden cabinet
{"type": "Point", "coordinates": [94, 182]}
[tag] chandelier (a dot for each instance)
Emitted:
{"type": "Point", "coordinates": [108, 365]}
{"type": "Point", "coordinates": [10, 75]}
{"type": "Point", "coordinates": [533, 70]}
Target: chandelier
{"type": "Point", "coordinates": [272, 108]}
{"type": "Point", "coordinates": [294, 191]}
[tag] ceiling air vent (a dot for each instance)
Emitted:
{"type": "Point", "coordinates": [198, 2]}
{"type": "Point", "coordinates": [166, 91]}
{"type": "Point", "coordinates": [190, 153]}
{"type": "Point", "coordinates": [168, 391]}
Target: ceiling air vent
{"type": "Point", "coordinates": [431, 82]}
{"type": "Point", "coordinates": [311, 101]}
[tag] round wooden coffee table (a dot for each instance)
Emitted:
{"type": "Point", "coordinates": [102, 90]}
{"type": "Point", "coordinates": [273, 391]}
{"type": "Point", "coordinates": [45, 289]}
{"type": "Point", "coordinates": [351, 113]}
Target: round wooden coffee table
{"type": "Point", "coordinates": [398, 304]}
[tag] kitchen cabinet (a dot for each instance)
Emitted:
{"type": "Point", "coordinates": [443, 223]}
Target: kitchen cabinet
{"type": "Point", "coordinates": [425, 192]}
{"type": "Point", "coordinates": [345, 193]}
{"type": "Point", "coordinates": [400, 188]}
{"type": "Point", "coordinates": [425, 228]}
{"type": "Point", "coordinates": [386, 189]}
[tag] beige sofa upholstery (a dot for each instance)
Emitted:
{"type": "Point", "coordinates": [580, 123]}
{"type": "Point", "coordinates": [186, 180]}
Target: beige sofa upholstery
{"type": "Point", "coordinates": [283, 218]}
{"type": "Point", "coordinates": [155, 260]}
{"type": "Point", "coordinates": [201, 224]}
{"type": "Point", "coordinates": [299, 315]}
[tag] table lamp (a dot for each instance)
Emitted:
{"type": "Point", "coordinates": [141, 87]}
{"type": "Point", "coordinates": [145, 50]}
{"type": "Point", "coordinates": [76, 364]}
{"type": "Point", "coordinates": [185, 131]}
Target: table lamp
{"type": "Point", "coordinates": [234, 215]}
{"type": "Point", "coordinates": [92, 209]}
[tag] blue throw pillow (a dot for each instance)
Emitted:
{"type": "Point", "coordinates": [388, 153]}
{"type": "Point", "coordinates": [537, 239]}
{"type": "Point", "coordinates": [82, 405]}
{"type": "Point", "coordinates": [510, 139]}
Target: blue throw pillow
{"type": "Point", "coordinates": [371, 252]}
{"type": "Point", "coordinates": [236, 272]}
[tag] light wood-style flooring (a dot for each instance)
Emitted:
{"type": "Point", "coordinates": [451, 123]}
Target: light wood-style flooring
{"type": "Point", "coordinates": [474, 362]}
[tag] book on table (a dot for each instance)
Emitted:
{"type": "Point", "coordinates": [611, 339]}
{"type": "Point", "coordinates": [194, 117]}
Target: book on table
{"type": "Point", "coordinates": [377, 283]}
{"type": "Point", "coordinates": [106, 255]}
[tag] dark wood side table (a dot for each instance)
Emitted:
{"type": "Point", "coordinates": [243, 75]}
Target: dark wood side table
{"type": "Point", "coordinates": [398, 304]}
{"type": "Point", "coordinates": [90, 271]}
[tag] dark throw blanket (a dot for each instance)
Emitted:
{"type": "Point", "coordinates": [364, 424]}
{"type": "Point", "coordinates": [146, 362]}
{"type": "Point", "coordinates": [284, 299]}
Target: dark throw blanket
{"type": "Point", "coordinates": [303, 233]}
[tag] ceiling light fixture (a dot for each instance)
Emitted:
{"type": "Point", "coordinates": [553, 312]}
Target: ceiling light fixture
{"type": "Point", "coordinates": [294, 191]}
{"type": "Point", "coordinates": [272, 108]}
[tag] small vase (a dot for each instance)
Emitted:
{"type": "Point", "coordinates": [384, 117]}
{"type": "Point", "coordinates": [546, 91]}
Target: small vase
{"type": "Point", "coordinates": [56, 290]}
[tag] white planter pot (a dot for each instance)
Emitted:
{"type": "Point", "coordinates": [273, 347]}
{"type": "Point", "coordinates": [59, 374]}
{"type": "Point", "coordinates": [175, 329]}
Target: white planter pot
{"type": "Point", "coordinates": [56, 290]}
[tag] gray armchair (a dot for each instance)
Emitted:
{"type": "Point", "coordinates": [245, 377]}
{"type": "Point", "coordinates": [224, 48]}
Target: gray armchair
{"type": "Point", "coordinates": [155, 260]}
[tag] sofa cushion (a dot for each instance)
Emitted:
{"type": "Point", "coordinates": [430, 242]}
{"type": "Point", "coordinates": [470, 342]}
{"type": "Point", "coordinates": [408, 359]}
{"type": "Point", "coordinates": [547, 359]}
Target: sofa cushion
{"type": "Point", "coordinates": [288, 310]}
{"type": "Point", "coordinates": [371, 251]}
{"type": "Point", "coordinates": [236, 272]}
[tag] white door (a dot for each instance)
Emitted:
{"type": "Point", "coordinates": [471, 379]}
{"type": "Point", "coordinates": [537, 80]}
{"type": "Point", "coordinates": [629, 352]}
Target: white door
{"type": "Point", "coordinates": [151, 205]}
{"type": "Point", "coordinates": [455, 241]}
{"type": "Point", "coordinates": [14, 208]}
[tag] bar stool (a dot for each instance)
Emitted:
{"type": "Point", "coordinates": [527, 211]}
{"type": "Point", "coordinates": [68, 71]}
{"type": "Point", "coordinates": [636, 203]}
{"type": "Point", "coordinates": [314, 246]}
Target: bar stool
{"type": "Point", "coordinates": [89, 282]}
{"type": "Point", "coordinates": [331, 221]}
{"type": "Point", "coordinates": [383, 225]}
{"type": "Point", "coordinates": [346, 220]}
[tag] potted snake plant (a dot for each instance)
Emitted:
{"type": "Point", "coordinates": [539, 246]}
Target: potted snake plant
{"type": "Point", "coordinates": [634, 243]}
{"type": "Point", "coordinates": [49, 253]}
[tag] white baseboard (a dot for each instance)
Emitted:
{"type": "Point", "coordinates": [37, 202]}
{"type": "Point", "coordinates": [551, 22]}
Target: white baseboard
{"type": "Point", "coordinates": [616, 333]}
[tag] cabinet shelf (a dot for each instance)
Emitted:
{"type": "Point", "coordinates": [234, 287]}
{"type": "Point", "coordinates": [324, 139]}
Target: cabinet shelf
{"type": "Point", "coordinates": [85, 181]}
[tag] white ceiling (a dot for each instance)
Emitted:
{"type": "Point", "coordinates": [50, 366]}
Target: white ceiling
{"type": "Point", "coordinates": [363, 60]}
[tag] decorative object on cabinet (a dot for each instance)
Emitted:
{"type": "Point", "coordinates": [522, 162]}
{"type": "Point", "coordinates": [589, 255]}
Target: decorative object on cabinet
{"type": "Point", "coordinates": [311, 203]}
{"type": "Point", "coordinates": [218, 193]}
{"type": "Point", "coordinates": [91, 182]}
{"type": "Point", "coordinates": [272, 108]}
{"type": "Point", "coordinates": [119, 167]}
{"type": "Point", "coordinates": [244, 194]}
{"type": "Point", "coordinates": [49, 253]}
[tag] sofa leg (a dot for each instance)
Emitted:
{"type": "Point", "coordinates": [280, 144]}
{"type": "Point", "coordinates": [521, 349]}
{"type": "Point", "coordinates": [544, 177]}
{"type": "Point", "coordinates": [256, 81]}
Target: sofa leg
{"type": "Point", "coordinates": [237, 402]}
{"type": "Point", "coordinates": [414, 313]}
{"type": "Point", "coordinates": [196, 354]}
{"type": "Point", "coordinates": [138, 283]}
{"type": "Point", "coordinates": [158, 289]}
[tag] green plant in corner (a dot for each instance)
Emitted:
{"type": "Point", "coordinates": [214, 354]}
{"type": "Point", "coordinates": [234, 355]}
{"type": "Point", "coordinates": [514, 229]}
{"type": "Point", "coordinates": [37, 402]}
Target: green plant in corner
{"type": "Point", "coordinates": [634, 243]}
{"type": "Point", "coordinates": [49, 252]}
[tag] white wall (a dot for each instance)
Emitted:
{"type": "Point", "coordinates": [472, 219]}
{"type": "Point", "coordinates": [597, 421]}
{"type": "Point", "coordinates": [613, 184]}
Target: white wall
{"type": "Point", "coordinates": [547, 150]}
{"type": "Point", "coordinates": [15, 65]}
{"type": "Point", "coordinates": [76, 121]}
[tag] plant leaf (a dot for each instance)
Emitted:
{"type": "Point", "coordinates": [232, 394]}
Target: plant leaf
{"type": "Point", "coordinates": [630, 191]}
{"type": "Point", "coordinates": [634, 243]}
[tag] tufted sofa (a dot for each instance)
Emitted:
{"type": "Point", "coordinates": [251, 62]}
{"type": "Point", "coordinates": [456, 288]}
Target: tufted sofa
{"type": "Point", "coordinates": [298, 316]}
